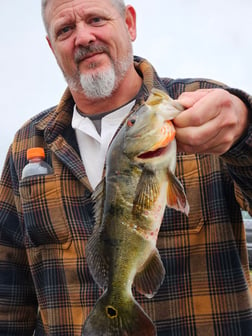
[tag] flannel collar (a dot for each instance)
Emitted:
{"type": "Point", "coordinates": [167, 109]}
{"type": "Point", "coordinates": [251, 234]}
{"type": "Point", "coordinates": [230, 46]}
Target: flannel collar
{"type": "Point", "coordinates": [60, 117]}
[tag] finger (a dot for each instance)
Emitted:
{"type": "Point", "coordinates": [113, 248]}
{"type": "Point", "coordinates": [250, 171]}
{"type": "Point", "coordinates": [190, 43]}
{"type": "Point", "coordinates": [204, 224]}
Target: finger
{"type": "Point", "coordinates": [215, 150]}
{"type": "Point", "coordinates": [203, 135]}
{"type": "Point", "coordinates": [197, 136]}
{"type": "Point", "coordinates": [220, 143]}
{"type": "Point", "coordinates": [188, 99]}
{"type": "Point", "coordinates": [206, 106]}
{"type": "Point", "coordinates": [198, 115]}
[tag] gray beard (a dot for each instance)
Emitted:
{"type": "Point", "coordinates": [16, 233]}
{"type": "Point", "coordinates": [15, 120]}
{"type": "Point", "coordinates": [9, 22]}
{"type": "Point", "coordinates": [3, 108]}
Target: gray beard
{"type": "Point", "coordinates": [100, 84]}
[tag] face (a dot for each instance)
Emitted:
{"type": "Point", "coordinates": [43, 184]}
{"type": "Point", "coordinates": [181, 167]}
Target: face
{"type": "Point", "coordinates": [92, 43]}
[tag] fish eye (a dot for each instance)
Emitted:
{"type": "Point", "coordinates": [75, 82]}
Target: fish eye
{"type": "Point", "coordinates": [131, 122]}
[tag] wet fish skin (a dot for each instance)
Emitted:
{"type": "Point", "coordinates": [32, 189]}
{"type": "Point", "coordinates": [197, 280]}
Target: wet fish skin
{"type": "Point", "coordinates": [130, 204]}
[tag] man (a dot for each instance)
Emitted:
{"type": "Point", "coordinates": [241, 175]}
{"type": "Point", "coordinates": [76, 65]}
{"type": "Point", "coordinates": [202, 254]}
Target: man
{"type": "Point", "coordinates": [45, 221]}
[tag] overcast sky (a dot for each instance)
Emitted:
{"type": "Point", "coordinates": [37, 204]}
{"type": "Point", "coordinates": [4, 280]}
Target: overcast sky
{"type": "Point", "coordinates": [182, 38]}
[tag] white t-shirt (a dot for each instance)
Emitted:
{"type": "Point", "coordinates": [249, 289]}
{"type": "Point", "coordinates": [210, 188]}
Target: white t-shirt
{"type": "Point", "coordinates": [93, 146]}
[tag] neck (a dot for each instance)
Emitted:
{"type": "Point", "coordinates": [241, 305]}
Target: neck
{"type": "Point", "coordinates": [126, 91]}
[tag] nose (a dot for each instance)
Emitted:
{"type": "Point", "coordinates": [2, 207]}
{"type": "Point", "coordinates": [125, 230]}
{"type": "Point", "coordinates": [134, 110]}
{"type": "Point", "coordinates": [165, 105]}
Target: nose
{"type": "Point", "coordinates": [84, 35]}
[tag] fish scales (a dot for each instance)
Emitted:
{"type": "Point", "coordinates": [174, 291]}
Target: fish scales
{"type": "Point", "coordinates": [130, 204]}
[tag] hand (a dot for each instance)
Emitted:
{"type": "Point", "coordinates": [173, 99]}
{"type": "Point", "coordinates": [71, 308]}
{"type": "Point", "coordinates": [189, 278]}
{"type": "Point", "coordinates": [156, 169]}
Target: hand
{"type": "Point", "coordinates": [212, 122]}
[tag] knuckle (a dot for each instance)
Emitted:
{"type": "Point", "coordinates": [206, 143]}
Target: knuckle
{"type": "Point", "coordinates": [229, 120]}
{"type": "Point", "coordinates": [223, 98]}
{"type": "Point", "coordinates": [194, 139]}
{"type": "Point", "coordinates": [228, 139]}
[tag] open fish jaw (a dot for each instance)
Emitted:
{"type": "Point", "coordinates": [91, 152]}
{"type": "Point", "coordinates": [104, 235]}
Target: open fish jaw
{"type": "Point", "coordinates": [154, 154]}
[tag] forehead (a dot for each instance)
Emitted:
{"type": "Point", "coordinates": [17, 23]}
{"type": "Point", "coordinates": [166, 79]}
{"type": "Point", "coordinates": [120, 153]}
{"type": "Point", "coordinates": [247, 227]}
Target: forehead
{"type": "Point", "coordinates": [59, 11]}
{"type": "Point", "coordinates": [57, 7]}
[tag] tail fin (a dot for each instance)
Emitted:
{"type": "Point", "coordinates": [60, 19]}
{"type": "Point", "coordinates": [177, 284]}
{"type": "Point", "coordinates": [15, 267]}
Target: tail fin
{"type": "Point", "coordinates": [118, 318]}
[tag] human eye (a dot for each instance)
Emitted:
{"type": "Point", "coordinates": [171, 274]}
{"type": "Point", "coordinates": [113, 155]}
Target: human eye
{"type": "Point", "coordinates": [97, 21]}
{"type": "Point", "coordinates": [64, 31]}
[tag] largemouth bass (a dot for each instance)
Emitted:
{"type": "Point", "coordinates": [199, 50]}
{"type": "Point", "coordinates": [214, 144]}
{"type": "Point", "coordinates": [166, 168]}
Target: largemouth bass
{"type": "Point", "coordinates": [130, 205]}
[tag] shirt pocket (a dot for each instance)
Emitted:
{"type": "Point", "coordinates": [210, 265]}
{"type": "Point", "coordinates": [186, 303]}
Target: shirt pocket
{"type": "Point", "coordinates": [44, 215]}
{"type": "Point", "coordinates": [188, 171]}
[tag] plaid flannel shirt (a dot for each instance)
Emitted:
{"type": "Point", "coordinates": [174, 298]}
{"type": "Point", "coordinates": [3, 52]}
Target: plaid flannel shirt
{"type": "Point", "coordinates": [45, 222]}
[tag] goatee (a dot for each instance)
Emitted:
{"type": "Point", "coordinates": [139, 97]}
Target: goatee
{"type": "Point", "coordinates": [102, 83]}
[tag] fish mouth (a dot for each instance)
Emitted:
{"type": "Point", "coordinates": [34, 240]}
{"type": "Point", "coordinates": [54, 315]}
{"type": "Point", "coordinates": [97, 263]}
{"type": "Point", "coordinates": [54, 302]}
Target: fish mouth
{"type": "Point", "coordinates": [154, 153]}
{"type": "Point", "coordinates": [162, 146]}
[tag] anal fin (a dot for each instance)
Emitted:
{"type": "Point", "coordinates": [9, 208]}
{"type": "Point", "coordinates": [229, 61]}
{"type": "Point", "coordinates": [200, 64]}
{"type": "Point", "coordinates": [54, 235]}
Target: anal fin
{"type": "Point", "coordinates": [150, 278]}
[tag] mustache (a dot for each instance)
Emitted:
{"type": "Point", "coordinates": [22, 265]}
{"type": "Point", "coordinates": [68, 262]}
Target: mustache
{"type": "Point", "coordinates": [85, 51]}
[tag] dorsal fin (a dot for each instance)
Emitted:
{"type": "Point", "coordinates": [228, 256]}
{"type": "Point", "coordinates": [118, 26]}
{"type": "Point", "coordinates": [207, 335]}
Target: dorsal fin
{"type": "Point", "coordinates": [156, 97]}
{"type": "Point", "coordinates": [166, 106]}
{"type": "Point", "coordinates": [98, 197]}
{"type": "Point", "coordinates": [95, 251]}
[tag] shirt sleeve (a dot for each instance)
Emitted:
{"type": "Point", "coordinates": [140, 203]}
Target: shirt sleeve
{"type": "Point", "coordinates": [239, 159]}
{"type": "Point", "coordinates": [18, 305]}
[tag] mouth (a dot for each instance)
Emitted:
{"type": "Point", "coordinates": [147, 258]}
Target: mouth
{"type": "Point", "coordinates": [153, 154]}
{"type": "Point", "coordinates": [85, 53]}
{"type": "Point", "coordinates": [89, 57]}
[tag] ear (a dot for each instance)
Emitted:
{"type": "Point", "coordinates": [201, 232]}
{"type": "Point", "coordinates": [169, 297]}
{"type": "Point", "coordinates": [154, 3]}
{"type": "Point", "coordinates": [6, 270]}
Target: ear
{"type": "Point", "coordinates": [49, 43]}
{"type": "Point", "coordinates": [130, 19]}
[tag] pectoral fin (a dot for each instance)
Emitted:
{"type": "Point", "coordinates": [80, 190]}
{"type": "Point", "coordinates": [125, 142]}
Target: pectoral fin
{"type": "Point", "coordinates": [147, 192]}
{"type": "Point", "coordinates": [150, 278]}
{"type": "Point", "coordinates": [176, 197]}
